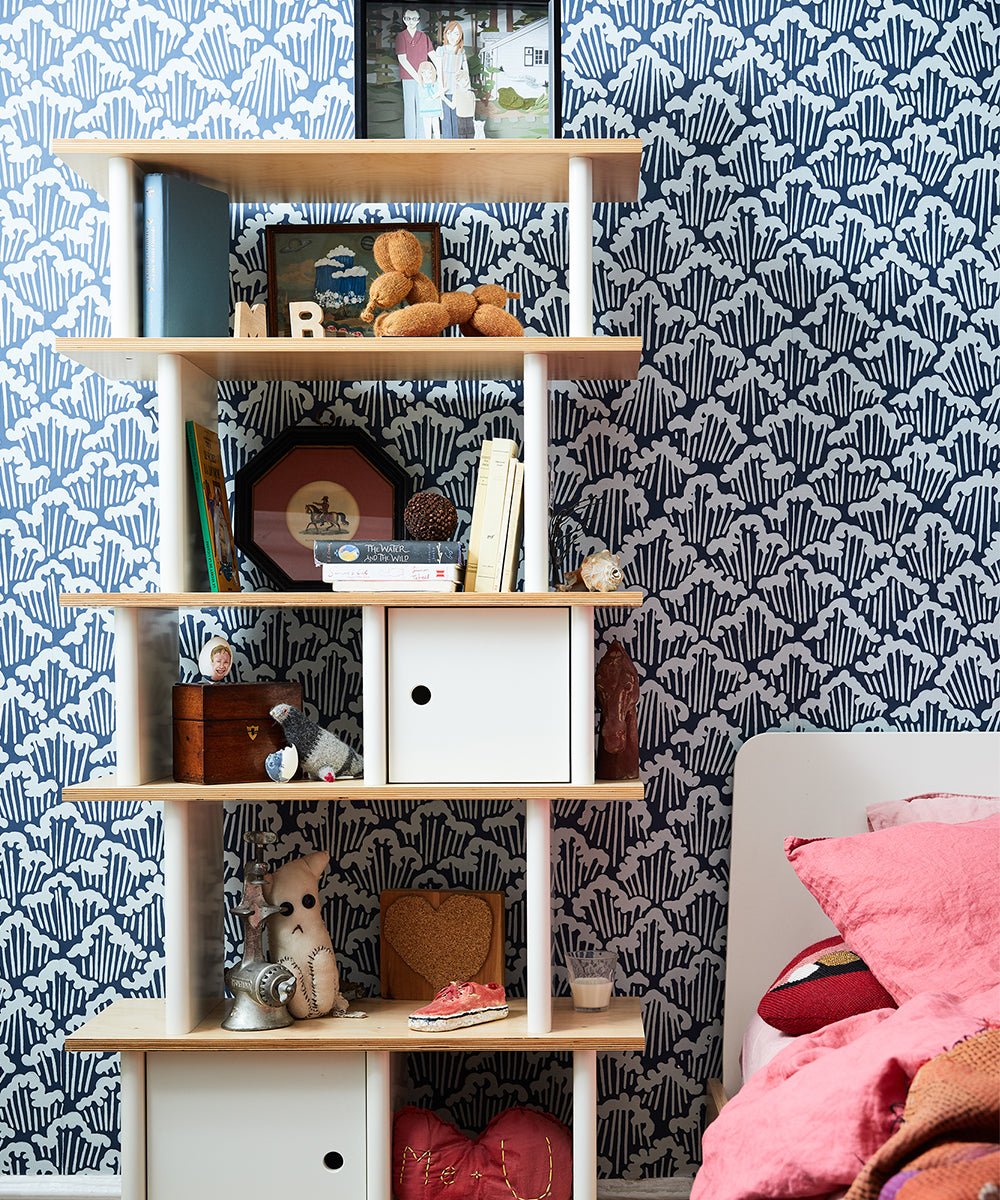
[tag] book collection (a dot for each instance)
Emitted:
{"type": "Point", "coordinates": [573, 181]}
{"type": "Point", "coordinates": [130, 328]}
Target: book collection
{"type": "Point", "coordinates": [185, 293]}
{"type": "Point", "coordinates": [487, 563]}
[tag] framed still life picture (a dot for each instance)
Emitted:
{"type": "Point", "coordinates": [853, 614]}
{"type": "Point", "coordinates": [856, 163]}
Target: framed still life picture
{"type": "Point", "coordinates": [457, 71]}
{"type": "Point", "coordinates": [333, 265]}
{"type": "Point", "coordinates": [315, 482]}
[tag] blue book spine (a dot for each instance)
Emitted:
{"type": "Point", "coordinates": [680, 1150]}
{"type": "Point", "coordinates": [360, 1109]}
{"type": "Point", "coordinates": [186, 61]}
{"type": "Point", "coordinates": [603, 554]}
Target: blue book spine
{"type": "Point", "coordinates": [185, 241]}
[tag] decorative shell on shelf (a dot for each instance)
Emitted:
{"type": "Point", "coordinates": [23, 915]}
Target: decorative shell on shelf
{"type": "Point", "coordinates": [598, 572]}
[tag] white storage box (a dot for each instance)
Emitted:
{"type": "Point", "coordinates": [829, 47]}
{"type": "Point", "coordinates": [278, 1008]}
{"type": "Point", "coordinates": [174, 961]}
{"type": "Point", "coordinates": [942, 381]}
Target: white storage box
{"type": "Point", "coordinates": [210, 1112]}
{"type": "Point", "coordinates": [480, 696]}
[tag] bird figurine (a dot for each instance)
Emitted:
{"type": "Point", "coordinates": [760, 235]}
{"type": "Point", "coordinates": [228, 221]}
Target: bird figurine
{"type": "Point", "coordinates": [321, 753]}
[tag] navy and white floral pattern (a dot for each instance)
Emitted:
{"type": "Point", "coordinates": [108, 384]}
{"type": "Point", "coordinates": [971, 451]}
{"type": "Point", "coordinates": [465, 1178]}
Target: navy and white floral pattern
{"type": "Point", "coordinates": [804, 477]}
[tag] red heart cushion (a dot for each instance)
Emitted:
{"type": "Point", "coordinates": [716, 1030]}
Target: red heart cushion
{"type": "Point", "coordinates": [520, 1155]}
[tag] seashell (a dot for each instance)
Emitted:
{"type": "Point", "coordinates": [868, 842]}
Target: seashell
{"type": "Point", "coordinates": [600, 572]}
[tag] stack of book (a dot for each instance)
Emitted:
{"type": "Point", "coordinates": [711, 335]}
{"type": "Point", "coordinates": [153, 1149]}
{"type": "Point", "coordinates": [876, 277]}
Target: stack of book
{"type": "Point", "coordinates": [497, 519]}
{"type": "Point", "coordinates": [387, 566]}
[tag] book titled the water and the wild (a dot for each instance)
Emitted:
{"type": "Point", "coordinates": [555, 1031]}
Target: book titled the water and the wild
{"type": "Point", "coordinates": [327, 550]}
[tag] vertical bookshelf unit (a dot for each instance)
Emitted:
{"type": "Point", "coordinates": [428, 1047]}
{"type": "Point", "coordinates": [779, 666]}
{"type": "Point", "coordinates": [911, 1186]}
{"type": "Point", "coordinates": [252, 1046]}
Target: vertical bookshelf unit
{"type": "Point", "coordinates": [325, 1089]}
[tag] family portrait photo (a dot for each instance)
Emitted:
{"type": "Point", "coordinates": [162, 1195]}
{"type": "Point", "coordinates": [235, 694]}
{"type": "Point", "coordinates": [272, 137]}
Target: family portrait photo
{"type": "Point", "coordinates": [456, 72]}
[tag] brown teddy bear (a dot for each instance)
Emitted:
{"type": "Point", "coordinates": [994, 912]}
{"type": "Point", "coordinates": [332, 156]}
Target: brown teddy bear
{"type": "Point", "coordinates": [479, 313]}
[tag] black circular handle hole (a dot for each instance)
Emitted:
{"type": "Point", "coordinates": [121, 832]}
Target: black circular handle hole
{"type": "Point", "coordinates": [420, 694]}
{"type": "Point", "coordinates": [333, 1161]}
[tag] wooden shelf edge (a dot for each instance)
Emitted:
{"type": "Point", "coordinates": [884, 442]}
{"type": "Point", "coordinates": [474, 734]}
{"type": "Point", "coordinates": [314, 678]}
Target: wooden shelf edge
{"type": "Point", "coordinates": [453, 170]}
{"type": "Point", "coordinates": [141, 1025]}
{"type": "Point", "coordinates": [263, 791]}
{"type": "Point", "coordinates": [328, 599]}
{"type": "Point", "coordinates": [308, 359]}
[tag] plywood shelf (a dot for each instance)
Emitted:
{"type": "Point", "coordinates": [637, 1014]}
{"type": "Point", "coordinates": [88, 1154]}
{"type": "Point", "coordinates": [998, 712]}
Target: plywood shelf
{"type": "Point", "coordinates": [140, 1025]}
{"type": "Point", "coordinates": [377, 171]}
{"type": "Point", "coordinates": [328, 599]}
{"type": "Point", "coordinates": [263, 791]}
{"type": "Point", "coordinates": [353, 359]}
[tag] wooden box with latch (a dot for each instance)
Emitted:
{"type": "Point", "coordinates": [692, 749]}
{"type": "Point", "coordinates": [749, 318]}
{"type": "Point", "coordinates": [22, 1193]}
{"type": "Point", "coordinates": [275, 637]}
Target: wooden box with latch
{"type": "Point", "coordinates": [223, 732]}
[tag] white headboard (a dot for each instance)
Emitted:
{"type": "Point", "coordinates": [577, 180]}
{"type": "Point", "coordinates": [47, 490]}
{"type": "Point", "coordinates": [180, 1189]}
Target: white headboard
{"type": "Point", "coordinates": [817, 785]}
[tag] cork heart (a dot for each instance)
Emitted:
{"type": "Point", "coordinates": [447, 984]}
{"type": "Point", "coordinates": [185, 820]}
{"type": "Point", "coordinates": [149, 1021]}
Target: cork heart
{"type": "Point", "coordinates": [440, 944]}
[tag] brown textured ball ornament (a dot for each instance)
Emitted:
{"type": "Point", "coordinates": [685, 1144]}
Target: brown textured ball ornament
{"type": "Point", "coordinates": [430, 517]}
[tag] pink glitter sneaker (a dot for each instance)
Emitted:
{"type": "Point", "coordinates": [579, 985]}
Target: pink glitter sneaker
{"type": "Point", "coordinates": [461, 1004]}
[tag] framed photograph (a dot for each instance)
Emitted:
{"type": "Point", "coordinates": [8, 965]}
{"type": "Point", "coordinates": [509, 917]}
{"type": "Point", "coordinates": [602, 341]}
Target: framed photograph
{"type": "Point", "coordinates": [334, 266]}
{"type": "Point", "coordinates": [315, 482]}
{"type": "Point", "coordinates": [457, 71]}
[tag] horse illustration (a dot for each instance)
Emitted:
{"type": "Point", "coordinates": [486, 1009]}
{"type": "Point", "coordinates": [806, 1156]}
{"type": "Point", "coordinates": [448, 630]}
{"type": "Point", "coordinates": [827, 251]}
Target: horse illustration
{"type": "Point", "coordinates": [323, 518]}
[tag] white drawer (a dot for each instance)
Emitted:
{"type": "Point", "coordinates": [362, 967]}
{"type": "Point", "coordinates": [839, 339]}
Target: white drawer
{"type": "Point", "coordinates": [255, 1123]}
{"type": "Point", "coordinates": [479, 696]}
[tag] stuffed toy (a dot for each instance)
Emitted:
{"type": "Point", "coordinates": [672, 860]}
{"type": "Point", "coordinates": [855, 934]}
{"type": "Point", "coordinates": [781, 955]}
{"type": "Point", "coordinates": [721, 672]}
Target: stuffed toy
{"type": "Point", "coordinates": [299, 941]}
{"type": "Point", "coordinates": [399, 257]}
{"type": "Point", "coordinates": [479, 313]}
{"type": "Point", "coordinates": [322, 754]}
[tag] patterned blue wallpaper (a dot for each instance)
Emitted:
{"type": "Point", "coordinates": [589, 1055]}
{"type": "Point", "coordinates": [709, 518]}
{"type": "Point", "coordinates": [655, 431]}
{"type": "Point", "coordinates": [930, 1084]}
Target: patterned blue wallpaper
{"type": "Point", "coordinates": [804, 477]}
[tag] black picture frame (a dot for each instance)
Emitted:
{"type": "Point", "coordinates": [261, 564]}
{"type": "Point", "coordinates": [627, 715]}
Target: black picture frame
{"type": "Point", "coordinates": [297, 270]}
{"type": "Point", "coordinates": [314, 482]}
{"type": "Point", "coordinates": [516, 97]}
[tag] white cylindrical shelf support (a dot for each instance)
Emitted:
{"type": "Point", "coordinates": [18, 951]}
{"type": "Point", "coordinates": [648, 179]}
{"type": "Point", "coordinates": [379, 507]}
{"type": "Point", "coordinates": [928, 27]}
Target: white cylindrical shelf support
{"type": "Point", "coordinates": [537, 885]}
{"type": "Point", "coordinates": [535, 454]}
{"type": "Point", "coordinates": [192, 911]}
{"type": "Point", "coordinates": [378, 1106]}
{"type": "Point", "coordinates": [132, 1099]}
{"type": "Point", "coordinates": [184, 394]}
{"type": "Point", "coordinates": [580, 234]}
{"type": "Point", "coordinates": [124, 196]}
{"type": "Point", "coordinates": [584, 1125]}
{"type": "Point", "coordinates": [581, 738]}
{"type": "Point", "coordinates": [373, 694]}
{"type": "Point", "coordinates": [128, 709]}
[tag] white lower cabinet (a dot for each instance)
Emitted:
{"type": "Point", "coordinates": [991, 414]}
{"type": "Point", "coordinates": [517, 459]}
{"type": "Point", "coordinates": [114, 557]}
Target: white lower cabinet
{"type": "Point", "coordinates": [255, 1123]}
{"type": "Point", "coordinates": [479, 696]}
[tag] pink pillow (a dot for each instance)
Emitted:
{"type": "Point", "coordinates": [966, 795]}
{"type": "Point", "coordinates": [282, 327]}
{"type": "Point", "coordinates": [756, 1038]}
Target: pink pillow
{"type": "Point", "coordinates": [919, 903]}
{"type": "Point", "coordinates": [949, 807]}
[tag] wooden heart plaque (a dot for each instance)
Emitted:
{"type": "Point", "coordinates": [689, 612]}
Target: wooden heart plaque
{"type": "Point", "coordinates": [429, 938]}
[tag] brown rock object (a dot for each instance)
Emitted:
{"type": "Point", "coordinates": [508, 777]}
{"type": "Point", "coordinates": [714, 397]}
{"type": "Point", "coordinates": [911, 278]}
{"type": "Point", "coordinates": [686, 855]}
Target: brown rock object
{"type": "Point", "coordinates": [616, 687]}
{"type": "Point", "coordinates": [418, 320]}
{"type": "Point", "coordinates": [430, 517]}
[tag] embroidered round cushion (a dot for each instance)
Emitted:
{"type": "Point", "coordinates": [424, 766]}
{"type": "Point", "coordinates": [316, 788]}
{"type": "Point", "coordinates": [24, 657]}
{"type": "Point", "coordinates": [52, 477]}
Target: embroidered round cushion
{"type": "Point", "coordinates": [520, 1155]}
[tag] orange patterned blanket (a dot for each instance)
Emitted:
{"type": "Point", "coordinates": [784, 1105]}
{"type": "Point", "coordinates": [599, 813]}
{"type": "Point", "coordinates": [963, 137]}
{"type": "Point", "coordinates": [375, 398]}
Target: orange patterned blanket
{"type": "Point", "coordinates": [947, 1145]}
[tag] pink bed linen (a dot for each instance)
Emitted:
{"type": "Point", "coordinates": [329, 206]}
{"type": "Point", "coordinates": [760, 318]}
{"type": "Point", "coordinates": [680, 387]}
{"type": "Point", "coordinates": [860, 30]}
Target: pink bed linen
{"type": "Point", "coordinates": [805, 1124]}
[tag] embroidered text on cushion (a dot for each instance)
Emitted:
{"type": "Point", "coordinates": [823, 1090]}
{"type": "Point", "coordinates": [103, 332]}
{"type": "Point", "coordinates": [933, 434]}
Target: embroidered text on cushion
{"type": "Point", "coordinates": [520, 1155]}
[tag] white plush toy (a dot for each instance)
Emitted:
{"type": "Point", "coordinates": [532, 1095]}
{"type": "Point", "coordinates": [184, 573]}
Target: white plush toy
{"type": "Point", "coordinates": [298, 938]}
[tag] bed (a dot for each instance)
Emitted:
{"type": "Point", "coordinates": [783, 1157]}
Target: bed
{"type": "Point", "coordinates": [816, 788]}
